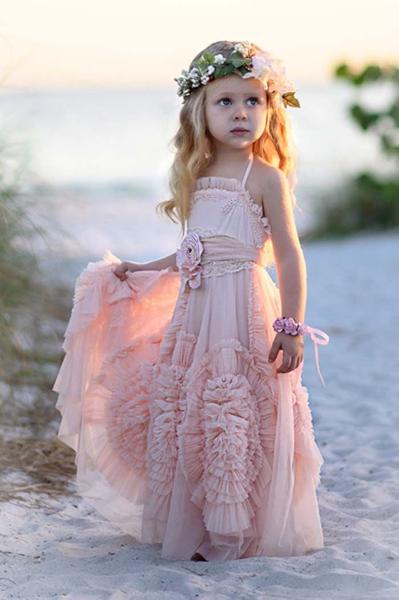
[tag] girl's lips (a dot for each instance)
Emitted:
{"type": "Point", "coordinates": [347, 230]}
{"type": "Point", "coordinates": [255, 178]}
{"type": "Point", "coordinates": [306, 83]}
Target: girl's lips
{"type": "Point", "coordinates": [239, 131]}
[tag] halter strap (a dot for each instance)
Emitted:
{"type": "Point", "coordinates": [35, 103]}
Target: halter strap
{"type": "Point", "coordinates": [244, 179]}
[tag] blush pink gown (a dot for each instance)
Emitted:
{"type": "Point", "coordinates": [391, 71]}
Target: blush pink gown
{"type": "Point", "coordinates": [184, 434]}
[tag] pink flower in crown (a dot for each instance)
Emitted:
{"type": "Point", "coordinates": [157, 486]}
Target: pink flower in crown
{"type": "Point", "coordinates": [271, 71]}
{"type": "Point", "coordinates": [188, 258]}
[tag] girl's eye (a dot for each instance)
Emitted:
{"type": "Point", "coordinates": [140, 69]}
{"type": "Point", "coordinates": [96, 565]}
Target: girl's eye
{"type": "Point", "coordinates": [252, 98]}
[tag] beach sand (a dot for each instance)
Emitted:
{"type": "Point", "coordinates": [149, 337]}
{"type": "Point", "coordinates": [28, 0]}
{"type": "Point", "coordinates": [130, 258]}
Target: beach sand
{"type": "Point", "coordinates": [67, 550]}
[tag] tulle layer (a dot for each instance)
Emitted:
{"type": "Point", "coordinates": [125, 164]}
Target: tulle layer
{"type": "Point", "coordinates": [163, 425]}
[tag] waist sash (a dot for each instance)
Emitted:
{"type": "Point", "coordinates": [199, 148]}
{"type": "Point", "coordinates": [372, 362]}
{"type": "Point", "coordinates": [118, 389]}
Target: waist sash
{"type": "Point", "coordinates": [223, 247]}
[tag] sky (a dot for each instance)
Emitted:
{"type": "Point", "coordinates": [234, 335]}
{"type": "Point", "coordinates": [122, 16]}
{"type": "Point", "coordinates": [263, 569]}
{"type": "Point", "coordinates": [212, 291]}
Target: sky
{"type": "Point", "coordinates": [126, 43]}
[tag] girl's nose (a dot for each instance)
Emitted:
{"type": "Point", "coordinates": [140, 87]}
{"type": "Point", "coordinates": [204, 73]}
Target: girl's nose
{"type": "Point", "coordinates": [240, 112]}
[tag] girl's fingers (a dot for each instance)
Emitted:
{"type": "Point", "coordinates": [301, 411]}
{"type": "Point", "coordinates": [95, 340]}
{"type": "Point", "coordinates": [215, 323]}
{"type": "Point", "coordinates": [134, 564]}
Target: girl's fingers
{"type": "Point", "coordinates": [285, 366]}
{"type": "Point", "coordinates": [297, 362]}
{"type": "Point", "coordinates": [290, 363]}
{"type": "Point", "coordinates": [120, 274]}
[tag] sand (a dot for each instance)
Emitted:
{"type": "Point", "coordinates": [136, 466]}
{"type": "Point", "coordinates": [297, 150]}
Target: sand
{"type": "Point", "coordinates": [67, 550]}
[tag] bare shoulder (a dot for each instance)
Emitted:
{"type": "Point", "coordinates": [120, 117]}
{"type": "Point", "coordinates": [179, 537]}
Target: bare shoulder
{"type": "Point", "coordinates": [264, 177]}
{"type": "Point", "coordinates": [269, 177]}
{"type": "Point", "coordinates": [274, 195]}
{"type": "Point", "coordinates": [274, 191]}
{"type": "Point", "coordinates": [256, 180]}
{"type": "Point", "coordinates": [268, 187]}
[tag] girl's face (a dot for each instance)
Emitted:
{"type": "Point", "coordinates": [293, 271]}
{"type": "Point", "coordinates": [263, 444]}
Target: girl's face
{"type": "Point", "coordinates": [232, 102]}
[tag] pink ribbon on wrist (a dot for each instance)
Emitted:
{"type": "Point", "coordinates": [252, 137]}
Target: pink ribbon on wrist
{"type": "Point", "coordinates": [323, 340]}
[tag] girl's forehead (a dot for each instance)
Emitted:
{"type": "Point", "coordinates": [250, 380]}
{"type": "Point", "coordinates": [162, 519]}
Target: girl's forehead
{"type": "Point", "coordinates": [234, 84]}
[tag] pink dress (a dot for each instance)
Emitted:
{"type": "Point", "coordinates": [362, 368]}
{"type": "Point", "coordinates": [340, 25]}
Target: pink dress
{"type": "Point", "coordinates": [184, 434]}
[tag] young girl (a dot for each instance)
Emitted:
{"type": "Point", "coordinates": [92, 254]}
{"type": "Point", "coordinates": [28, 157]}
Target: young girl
{"type": "Point", "coordinates": [181, 390]}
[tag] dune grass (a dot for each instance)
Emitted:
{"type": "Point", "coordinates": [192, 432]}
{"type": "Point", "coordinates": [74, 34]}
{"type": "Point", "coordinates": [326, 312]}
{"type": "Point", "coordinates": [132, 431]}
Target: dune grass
{"type": "Point", "coordinates": [34, 310]}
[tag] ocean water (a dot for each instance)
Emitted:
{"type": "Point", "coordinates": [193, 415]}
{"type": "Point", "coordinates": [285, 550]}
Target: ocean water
{"type": "Point", "coordinates": [100, 159]}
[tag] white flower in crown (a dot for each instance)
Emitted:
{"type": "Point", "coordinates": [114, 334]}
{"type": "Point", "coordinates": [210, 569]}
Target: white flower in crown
{"type": "Point", "coordinates": [243, 49]}
{"type": "Point", "coordinates": [219, 59]}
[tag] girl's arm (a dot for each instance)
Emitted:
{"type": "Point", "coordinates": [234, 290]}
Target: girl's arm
{"type": "Point", "coordinates": [290, 261]}
{"type": "Point", "coordinates": [155, 265]}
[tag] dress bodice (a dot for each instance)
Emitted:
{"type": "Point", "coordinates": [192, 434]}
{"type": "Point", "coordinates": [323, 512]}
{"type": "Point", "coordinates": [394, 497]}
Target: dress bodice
{"type": "Point", "coordinates": [223, 206]}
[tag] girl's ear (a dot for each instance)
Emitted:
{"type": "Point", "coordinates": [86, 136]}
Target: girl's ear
{"type": "Point", "coordinates": [274, 99]}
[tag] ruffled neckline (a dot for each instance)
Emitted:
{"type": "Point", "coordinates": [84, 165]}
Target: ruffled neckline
{"type": "Point", "coordinates": [223, 183]}
{"type": "Point", "coordinates": [227, 183]}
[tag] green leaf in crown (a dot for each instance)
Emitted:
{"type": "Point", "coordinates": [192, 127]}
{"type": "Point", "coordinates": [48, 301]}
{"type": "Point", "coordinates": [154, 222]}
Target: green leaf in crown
{"type": "Point", "coordinates": [290, 100]}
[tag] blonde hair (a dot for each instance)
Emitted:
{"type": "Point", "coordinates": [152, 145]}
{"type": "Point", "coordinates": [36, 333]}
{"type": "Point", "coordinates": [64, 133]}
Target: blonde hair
{"type": "Point", "coordinates": [194, 147]}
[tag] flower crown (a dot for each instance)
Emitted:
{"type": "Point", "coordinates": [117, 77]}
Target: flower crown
{"type": "Point", "coordinates": [261, 65]}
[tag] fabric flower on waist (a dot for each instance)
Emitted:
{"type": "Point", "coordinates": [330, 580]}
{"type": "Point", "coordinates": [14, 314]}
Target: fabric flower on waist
{"type": "Point", "coordinates": [188, 258]}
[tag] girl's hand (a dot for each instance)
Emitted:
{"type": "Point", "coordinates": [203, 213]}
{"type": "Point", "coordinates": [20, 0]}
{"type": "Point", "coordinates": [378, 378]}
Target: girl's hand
{"type": "Point", "coordinates": [292, 347]}
{"type": "Point", "coordinates": [121, 270]}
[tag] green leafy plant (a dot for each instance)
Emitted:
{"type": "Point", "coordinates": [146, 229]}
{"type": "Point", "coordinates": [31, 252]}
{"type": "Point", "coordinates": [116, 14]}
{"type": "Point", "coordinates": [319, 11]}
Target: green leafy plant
{"type": "Point", "coordinates": [367, 201]}
{"type": "Point", "coordinates": [384, 123]}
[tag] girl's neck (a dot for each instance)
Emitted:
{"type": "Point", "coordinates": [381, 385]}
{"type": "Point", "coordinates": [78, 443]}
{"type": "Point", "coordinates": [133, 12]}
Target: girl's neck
{"type": "Point", "coordinates": [226, 167]}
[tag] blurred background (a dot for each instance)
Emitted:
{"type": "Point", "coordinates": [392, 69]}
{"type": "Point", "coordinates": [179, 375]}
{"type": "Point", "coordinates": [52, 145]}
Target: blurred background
{"type": "Point", "coordinates": [88, 107]}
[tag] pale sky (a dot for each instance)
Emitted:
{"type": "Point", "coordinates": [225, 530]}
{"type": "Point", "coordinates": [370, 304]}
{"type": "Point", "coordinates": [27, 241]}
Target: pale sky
{"type": "Point", "coordinates": [73, 43]}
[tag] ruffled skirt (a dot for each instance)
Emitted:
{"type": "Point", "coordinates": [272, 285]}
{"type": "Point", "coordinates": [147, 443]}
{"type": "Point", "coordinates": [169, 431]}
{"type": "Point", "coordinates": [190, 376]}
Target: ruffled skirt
{"type": "Point", "coordinates": [184, 434]}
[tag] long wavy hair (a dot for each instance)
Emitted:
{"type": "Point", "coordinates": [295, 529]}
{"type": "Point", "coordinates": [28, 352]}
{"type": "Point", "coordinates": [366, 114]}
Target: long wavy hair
{"type": "Point", "coordinates": [194, 148]}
